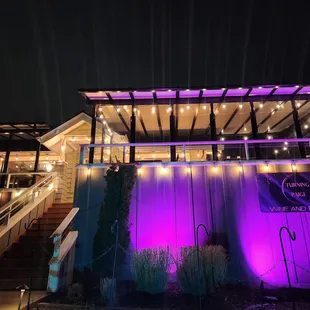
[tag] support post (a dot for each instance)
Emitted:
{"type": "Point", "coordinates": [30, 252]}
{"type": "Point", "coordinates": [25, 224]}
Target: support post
{"type": "Point", "coordinates": [298, 131]}
{"type": "Point", "coordinates": [213, 132]}
{"type": "Point", "coordinates": [36, 163]}
{"type": "Point", "coordinates": [132, 156]}
{"type": "Point", "coordinates": [254, 130]}
{"type": "Point", "coordinates": [102, 142]}
{"type": "Point", "coordinates": [93, 134]}
{"type": "Point", "coordinates": [172, 135]}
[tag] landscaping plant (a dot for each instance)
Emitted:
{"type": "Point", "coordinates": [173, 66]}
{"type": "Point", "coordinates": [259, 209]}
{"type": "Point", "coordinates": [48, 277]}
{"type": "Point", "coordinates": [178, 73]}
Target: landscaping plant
{"type": "Point", "coordinates": [150, 269]}
{"type": "Point", "coordinates": [200, 276]}
{"type": "Point", "coordinates": [108, 291]}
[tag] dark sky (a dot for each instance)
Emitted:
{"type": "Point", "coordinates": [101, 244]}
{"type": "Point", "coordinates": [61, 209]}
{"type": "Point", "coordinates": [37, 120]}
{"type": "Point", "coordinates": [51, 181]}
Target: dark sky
{"type": "Point", "coordinates": [50, 49]}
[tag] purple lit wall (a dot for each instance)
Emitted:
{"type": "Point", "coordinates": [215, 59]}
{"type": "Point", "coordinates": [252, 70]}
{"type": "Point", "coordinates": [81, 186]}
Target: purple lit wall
{"type": "Point", "coordinates": [166, 207]}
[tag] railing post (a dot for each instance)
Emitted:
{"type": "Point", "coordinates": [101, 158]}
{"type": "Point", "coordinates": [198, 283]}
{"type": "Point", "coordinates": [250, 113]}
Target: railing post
{"type": "Point", "coordinates": [7, 185]}
{"type": "Point", "coordinates": [82, 155]}
{"type": "Point", "coordinates": [246, 148]}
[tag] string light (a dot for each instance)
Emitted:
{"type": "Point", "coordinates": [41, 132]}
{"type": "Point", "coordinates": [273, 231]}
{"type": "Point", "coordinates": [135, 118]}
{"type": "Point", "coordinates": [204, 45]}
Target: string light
{"type": "Point", "coordinates": [16, 157]}
{"type": "Point", "coordinates": [153, 110]}
{"type": "Point", "coordinates": [284, 148]}
{"type": "Point", "coordinates": [245, 138]}
{"type": "Point", "coordinates": [240, 106]}
{"type": "Point", "coordinates": [306, 126]}
{"type": "Point", "coordinates": [222, 138]}
{"type": "Point", "coordinates": [182, 110]}
{"type": "Point", "coordinates": [204, 107]}
{"type": "Point", "coordinates": [244, 128]}
{"type": "Point", "coordinates": [224, 106]}
{"type": "Point", "coordinates": [278, 106]}
{"type": "Point", "coordinates": [294, 168]}
{"type": "Point", "coordinates": [269, 137]}
{"type": "Point", "coordinates": [100, 109]}
{"type": "Point", "coordinates": [276, 151]}
{"type": "Point", "coordinates": [118, 110]}
{"type": "Point", "coordinates": [261, 105]}
{"type": "Point", "coordinates": [286, 143]}
{"type": "Point", "coordinates": [101, 116]}
{"type": "Point", "coordinates": [125, 107]}
{"type": "Point", "coordinates": [164, 170]}
{"type": "Point", "coordinates": [189, 170]}
{"type": "Point", "coordinates": [298, 104]}
{"type": "Point", "coordinates": [188, 107]}
{"type": "Point", "coordinates": [222, 131]}
{"type": "Point", "coordinates": [153, 155]}
{"type": "Point", "coordinates": [63, 147]}
{"type": "Point", "coordinates": [88, 171]}
{"type": "Point", "coordinates": [267, 168]}
{"type": "Point", "coordinates": [215, 169]}
{"type": "Point", "coordinates": [139, 171]}
{"type": "Point", "coordinates": [240, 168]}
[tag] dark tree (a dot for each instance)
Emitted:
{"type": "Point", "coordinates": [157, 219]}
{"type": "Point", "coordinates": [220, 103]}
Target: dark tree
{"type": "Point", "coordinates": [120, 182]}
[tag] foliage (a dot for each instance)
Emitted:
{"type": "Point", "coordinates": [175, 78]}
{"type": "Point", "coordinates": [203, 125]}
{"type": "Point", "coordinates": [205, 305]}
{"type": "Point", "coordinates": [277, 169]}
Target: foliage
{"type": "Point", "coordinates": [75, 292]}
{"type": "Point", "coordinates": [205, 277]}
{"type": "Point", "coordinates": [108, 291]}
{"type": "Point", "coordinates": [150, 269]}
{"type": "Point", "coordinates": [120, 182]}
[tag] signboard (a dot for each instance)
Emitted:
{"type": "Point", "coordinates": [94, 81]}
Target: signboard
{"type": "Point", "coordinates": [284, 192]}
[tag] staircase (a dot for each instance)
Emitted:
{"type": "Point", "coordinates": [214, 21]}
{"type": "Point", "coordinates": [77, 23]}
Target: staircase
{"type": "Point", "coordinates": [30, 256]}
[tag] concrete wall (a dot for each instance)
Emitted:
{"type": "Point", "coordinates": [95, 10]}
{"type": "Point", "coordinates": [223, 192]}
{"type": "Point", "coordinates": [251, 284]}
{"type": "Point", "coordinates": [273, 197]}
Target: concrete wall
{"type": "Point", "coordinates": [167, 206]}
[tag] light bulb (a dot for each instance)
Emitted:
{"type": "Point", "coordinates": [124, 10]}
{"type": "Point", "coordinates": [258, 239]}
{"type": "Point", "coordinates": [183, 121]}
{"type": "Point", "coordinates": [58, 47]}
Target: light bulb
{"type": "Point", "coordinates": [240, 168]}
{"type": "Point", "coordinates": [224, 106]}
{"type": "Point", "coordinates": [118, 110]}
{"type": "Point", "coordinates": [63, 147]}
{"type": "Point", "coordinates": [245, 138]}
{"type": "Point", "coordinates": [222, 138]}
{"type": "Point", "coordinates": [204, 107]}
{"type": "Point", "coordinates": [284, 148]}
{"type": "Point", "coordinates": [188, 169]}
{"type": "Point", "coordinates": [261, 105]}
{"type": "Point", "coordinates": [244, 128]}
{"type": "Point", "coordinates": [276, 151]}
{"type": "Point", "coordinates": [294, 168]}
{"type": "Point", "coordinates": [286, 143]}
{"type": "Point", "coordinates": [101, 116]}
{"type": "Point", "coordinates": [267, 167]}
{"type": "Point", "coordinates": [215, 169]}
{"type": "Point", "coordinates": [298, 104]}
{"type": "Point", "coordinates": [188, 107]}
{"type": "Point", "coordinates": [182, 110]}
{"type": "Point", "coordinates": [269, 137]}
{"type": "Point", "coordinates": [306, 126]}
{"type": "Point", "coordinates": [88, 171]}
{"type": "Point", "coordinates": [100, 109]}
{"type": "Point", "coordinates": [139, 171]}
{"type": "Point", "coordinates": [240, 106]}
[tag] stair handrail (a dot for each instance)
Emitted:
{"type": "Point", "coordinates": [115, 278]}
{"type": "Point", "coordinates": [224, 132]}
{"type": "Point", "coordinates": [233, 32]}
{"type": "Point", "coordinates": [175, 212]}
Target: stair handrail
{"type": "Point", "coordinates": [62, 231]}
{"type": "Point", "coordinates": [30, 194]}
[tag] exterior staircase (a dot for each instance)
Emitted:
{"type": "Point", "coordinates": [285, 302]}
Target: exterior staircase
{"type": "Point", "coordinates": [29, 257]}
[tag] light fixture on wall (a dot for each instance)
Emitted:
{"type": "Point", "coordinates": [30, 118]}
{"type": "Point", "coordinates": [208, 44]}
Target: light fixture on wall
{"type": "Point", "coordinates": [164, 170]}
{"type": "Point", "coordinates": [267, 168]}
{"type": "Point", "coordinates": [240, 168]}
{"type": "Point", "coordinates": [88, 171]}
{"type": "Point", "coordinates": [215, 168]}
{"type": "Point", "coordinates": [189, 169]}
{"type": "Point", "coordinates": [294, 167]}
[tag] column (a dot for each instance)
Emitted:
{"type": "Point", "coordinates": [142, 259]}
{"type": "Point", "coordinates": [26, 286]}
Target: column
{"type": "Point", "coordinates": [93, 134]}
{"type": "Point", "coordinates": [132, 154]}
{"type": "Point", "coordinates": [298, 131]}
{"type": "Point", "coordinates": [213, 133]}
{"type": "Point", "coordinates": [172, 135]}
{"type": "Point", "coordinates": [254, 130]}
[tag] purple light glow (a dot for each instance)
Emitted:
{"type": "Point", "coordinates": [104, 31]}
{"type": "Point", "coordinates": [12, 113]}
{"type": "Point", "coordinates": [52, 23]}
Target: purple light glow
{"type": "Point", "coordinates": [261, 91]}
{"type": "Point", "coordinates": [165, 94]}
{"type": "Point", "coordinates": [237, 92]}
{"type": "Point", "coordinates": [213, 93]}
{"type": "Point", "coordinates": [143, 95]}
{"type": "Point", "coordinates": [304, 90]}
{"type": "Point", "coordinates": [285, 91]}
{"type": "Point", "coordinates": [120, 95]}
{"type": "Point", "coordinates": [100, 95]}
{"type": "Point", "coordinates": [189, 93]}
{"type": "Point", "coordinates": [165, 208]}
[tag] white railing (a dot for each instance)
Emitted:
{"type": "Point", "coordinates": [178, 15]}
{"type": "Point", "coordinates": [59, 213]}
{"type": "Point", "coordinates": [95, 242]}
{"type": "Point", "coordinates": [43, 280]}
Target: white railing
{"type": "Point", "coordinates": [12, 180]}
{"type": "Point", "coordinates": [289, 148]}
{"type": "Point", "coordinates": [29, 195]}
{"type": "Point", "coordinates": [64, 245]}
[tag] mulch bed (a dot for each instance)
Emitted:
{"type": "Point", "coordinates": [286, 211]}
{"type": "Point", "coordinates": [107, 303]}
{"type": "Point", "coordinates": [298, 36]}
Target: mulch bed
{"type": "Point", "coordinates": [230, 297]}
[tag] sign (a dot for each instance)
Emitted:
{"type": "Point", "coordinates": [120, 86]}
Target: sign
{"type": "Point", "coordinates": [284, 192]}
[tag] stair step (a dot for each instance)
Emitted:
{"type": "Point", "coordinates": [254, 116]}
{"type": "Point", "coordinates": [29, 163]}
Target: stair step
{"type": "Point", "coordinates": [59, 210]}
{"type": "Point", "coordinates": [44, 226]}
{"type": "Point", "coordinates": [54, 216]}
{"type": "Point", "coordinates": [29, 249]}
{"type": "Point", "coordinates": [15, 273]}
{"type": "Point", "coordinates": [36, 239]}
{"type": "Point", "coordinates": [41, 232]}
{"type": "Point", "coordinates": [46, 220]}
{"type": "Point", "coordinates": [11, 284]}
{"type": "Point", "coordinates": [63, 205]}
{"type": "Point", "coordinates": [23, 262]}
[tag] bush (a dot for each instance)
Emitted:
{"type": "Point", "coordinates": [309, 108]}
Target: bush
{"type": "Point", "coordinates": [108, 291]}
{"type": "Point", "coordinates": [208, 276]}
{"type": "Point", "coordinates": [150, 269]}
{"type": "Point", "coordinates": [75, 292]}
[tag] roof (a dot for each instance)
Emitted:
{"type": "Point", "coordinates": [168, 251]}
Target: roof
{"type": "Point", "coordinates": [179, 95]}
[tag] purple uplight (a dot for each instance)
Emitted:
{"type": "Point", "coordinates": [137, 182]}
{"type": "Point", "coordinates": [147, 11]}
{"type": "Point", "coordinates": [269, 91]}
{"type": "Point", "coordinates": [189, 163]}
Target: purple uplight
{"type": "Point", "coordinates": [213, 92]}
{"type": "Point", "coordinates": [143, 95]}
{"type": "Point", "coordinates": [120, 95]}
{"type": "Point", "coordinates": [285, 90]}
{"type": "Point", "coordinates": [261, 91]}
{"type": "Point", "coordinates": [165, 94]}
{"type": "Point", "coordinates": [100, 95]}
{"type": "Point", "coordinates": [237, 92]}
{"type": "Point", "coordinates": [189, 93]}
{"type": "Point", "coordinates": [304, 90]}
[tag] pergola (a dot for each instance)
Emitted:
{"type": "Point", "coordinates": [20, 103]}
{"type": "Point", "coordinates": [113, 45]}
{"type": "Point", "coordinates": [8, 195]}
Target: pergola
{"type": "Point", "coordinates": [21, 137]}
{"type": "Point", "coordinates": [203, 114]}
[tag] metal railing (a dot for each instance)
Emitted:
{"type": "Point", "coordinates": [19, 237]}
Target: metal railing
{"type": "Point", "coordinates": [20, 179]}
{"type": "Point", "coordinates": [199, 150]}
{"type": "Point", "coordinates": [27, 196]}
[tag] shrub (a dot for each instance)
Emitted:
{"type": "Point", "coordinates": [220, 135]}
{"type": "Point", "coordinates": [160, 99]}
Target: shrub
{"type": "Point", "coordinates": [150, 269]}
{"type": "Point", "coordinates": [108, 291]}
{"type": "Point", "coordinates": [75, 292]}
{"type": "Point", "coordinates": [205, 277]}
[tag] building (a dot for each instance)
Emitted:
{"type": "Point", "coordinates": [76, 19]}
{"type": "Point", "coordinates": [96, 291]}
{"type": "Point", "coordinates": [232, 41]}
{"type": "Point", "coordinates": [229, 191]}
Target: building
{"type": "Point", "coordinates": [218, 157]}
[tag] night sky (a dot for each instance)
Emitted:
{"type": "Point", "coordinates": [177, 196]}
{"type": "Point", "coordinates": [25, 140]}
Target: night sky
{"type": "Point", "coordinates": [50, 49]}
